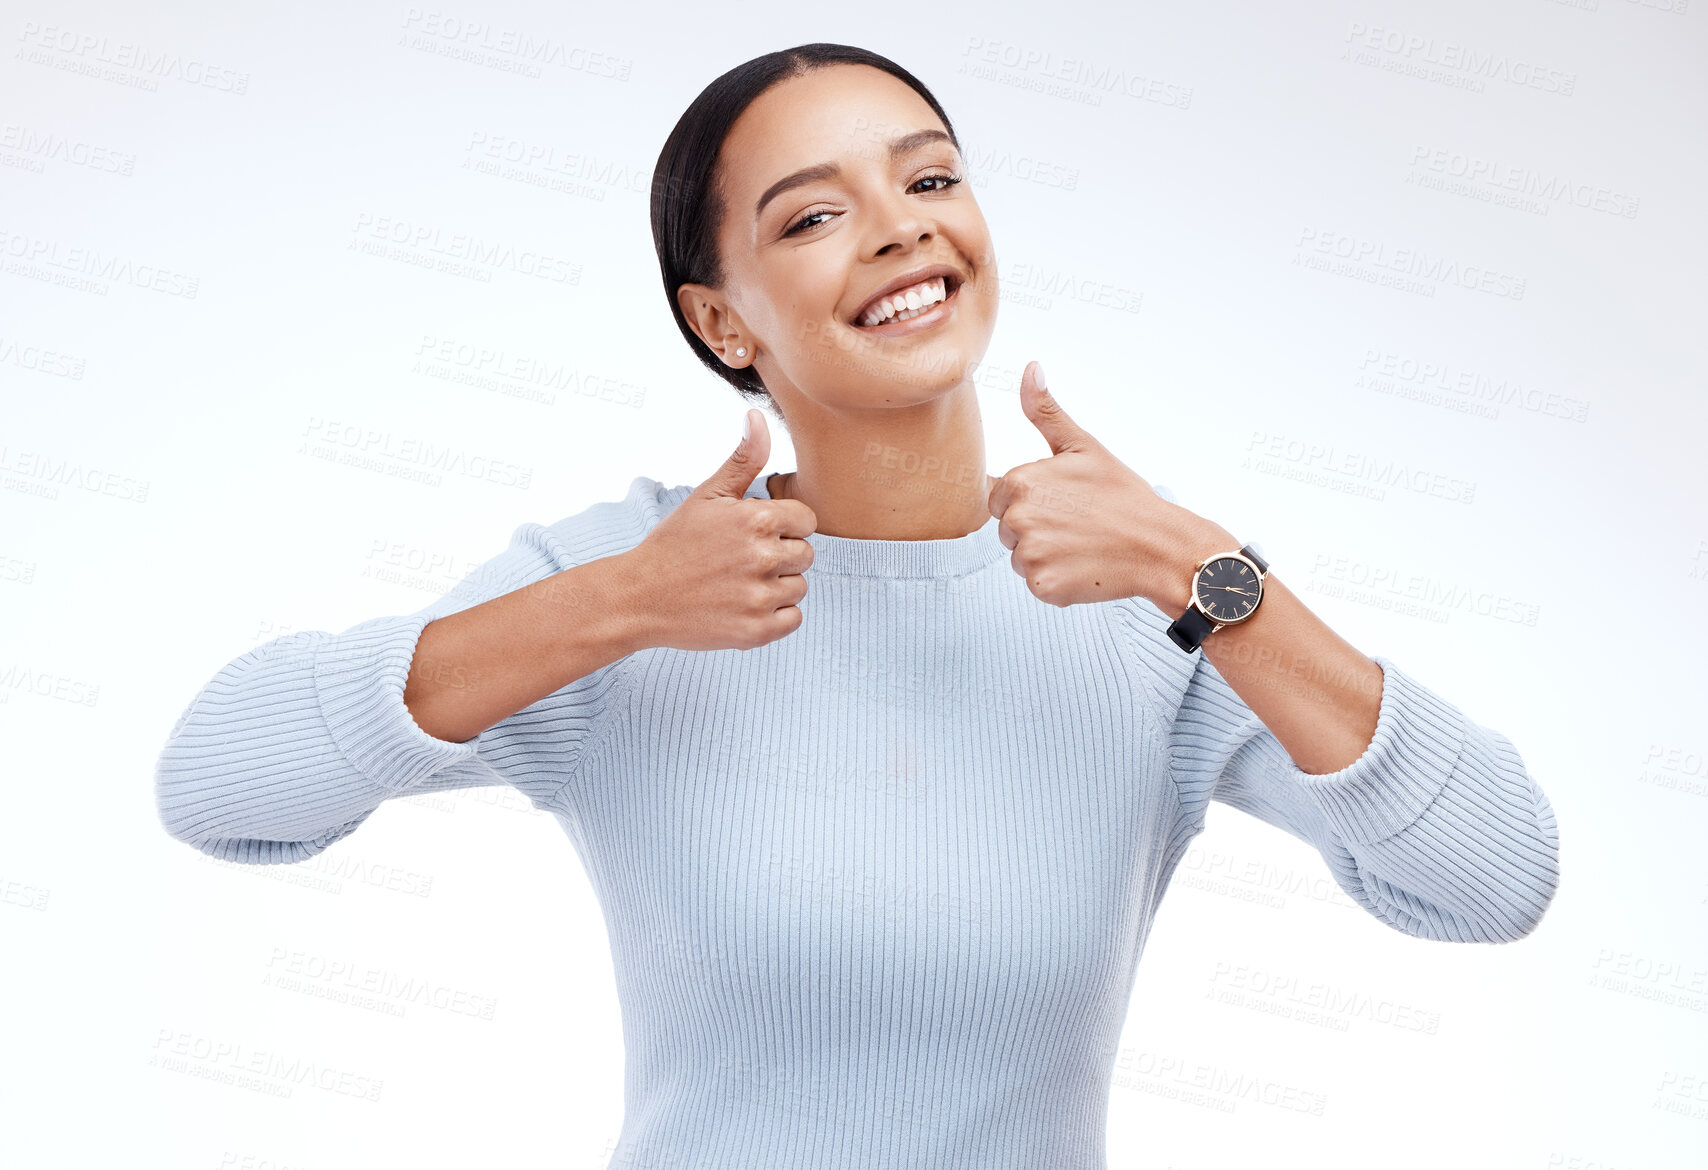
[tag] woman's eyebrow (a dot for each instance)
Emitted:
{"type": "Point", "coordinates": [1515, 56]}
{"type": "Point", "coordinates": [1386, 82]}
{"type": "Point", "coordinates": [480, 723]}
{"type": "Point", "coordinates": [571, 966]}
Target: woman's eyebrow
{"type": "Point", "coordinates": [898, 147]}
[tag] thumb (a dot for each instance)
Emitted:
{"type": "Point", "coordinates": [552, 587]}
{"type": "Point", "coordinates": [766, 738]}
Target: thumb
{"type": "Point", "coordinates": [1060, 431]}
{"type": "Point", "coordinates": [746, 462]}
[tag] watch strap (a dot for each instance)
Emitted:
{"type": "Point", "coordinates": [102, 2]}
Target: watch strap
{"type": "Point", "coordinates": [1191, 628]}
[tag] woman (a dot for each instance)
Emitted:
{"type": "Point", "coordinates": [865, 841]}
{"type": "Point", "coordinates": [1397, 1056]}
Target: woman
{"type": "Point", "coordinates": [876, 886]}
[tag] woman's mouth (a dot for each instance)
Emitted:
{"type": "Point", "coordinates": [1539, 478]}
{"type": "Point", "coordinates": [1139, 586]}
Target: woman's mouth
{"type": "Point", "coordinates": [913, 309]}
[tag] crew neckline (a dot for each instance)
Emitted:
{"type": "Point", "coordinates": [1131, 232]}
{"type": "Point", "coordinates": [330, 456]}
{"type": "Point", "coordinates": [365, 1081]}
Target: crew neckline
{"type": "Point", "coordinates": [851, 556]}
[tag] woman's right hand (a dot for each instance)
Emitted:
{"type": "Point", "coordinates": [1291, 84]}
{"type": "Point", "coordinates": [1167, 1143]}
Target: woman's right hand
{"type": "Point", "coordinates": [721, 571]}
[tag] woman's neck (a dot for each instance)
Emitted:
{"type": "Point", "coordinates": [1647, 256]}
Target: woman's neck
{"type": "Point", "coordinates": [894, 474]}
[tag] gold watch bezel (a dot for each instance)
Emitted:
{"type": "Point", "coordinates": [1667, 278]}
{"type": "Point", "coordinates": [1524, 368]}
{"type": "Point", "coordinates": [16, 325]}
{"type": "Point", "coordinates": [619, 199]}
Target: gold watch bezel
{"type": "Point", "coordinates": [1198, 573]}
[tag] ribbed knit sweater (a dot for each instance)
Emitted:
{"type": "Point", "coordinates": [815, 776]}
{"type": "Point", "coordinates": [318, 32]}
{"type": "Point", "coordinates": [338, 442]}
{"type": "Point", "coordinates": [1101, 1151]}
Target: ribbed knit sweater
{"type": "Point", "coordinates": [876, 891]}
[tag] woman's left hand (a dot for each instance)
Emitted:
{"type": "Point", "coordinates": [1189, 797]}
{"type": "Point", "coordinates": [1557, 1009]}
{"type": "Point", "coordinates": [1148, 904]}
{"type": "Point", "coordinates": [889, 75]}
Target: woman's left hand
{"type": "Point", "coordinates": [1085, 527]}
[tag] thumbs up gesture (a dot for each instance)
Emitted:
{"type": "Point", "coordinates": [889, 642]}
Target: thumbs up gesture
{"type": "Point", "coordinates": [721, 571]}
{"type": "Point", "coordinates": [1084, 527]}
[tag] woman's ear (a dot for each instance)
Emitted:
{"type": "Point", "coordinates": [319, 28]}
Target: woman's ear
{"type": "Point", "coordinates": [704, 310]}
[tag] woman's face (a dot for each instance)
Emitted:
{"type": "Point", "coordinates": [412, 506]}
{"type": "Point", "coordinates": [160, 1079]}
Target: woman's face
{"type": "Point", "coordinates": [803, 255]}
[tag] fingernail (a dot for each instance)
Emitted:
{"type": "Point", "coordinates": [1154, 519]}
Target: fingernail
{"type": "Point", "coordinates": [1042, 385]}
{"type": "Point", "coordinates": [747, 426]}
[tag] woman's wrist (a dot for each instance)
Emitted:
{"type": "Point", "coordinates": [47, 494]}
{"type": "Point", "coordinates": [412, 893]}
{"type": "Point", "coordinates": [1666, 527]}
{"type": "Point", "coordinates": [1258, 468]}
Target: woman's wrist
{"type": "Point", "coordinates": [1175, 551]}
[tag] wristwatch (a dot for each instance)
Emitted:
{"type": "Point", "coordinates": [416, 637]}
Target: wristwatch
{"type": "Point", "coordinates": [1226, 589]}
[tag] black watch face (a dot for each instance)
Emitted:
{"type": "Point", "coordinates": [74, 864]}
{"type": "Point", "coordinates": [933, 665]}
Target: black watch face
{"type": "Point", "coordinates": [1228, 589]}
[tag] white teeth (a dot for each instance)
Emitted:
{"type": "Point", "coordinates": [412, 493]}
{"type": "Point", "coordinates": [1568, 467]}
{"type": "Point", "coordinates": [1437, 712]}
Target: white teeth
{"type": "Point", "coordinates": [900, 306]}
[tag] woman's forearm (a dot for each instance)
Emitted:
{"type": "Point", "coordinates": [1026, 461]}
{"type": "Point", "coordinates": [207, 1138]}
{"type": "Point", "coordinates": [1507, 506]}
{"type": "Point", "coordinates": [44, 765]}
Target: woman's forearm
{"type": "Point", "coordinates": [477, 667]}
{"type": "Point", "coordinates": [1317, 692]}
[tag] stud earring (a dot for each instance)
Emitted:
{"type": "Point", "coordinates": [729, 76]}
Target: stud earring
{"type": "Point", "coordinates": [742, 352]}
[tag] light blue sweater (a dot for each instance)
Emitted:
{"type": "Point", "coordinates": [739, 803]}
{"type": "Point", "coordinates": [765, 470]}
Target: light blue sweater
{"type": "Point", "coordinates": [876, 892]}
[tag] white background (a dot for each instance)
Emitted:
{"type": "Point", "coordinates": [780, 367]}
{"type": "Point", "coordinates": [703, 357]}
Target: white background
{"type": "Point", "coordinates": [1543, 565]}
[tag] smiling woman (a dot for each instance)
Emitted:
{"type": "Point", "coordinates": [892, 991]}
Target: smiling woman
{"type": "Point", "coordinates": [722, 147]}
{"type": "Point", "coordinates": [822, 253]}
{"type": "Point", "coordinates": [876, 885]}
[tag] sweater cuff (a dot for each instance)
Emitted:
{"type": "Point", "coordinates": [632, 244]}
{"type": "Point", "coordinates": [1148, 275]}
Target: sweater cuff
{"type": "Point", "coordinates": [359, 676]}
{"type": "Point", "coordinates": [1410, 758]}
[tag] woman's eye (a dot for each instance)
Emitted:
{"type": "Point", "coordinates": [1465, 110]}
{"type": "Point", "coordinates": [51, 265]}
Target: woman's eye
{"type": "Point", "coordinates": [805, 222]}
{"type": "Point", "coordinates": [802, 222]}
{"type": "Point", "coordinates": [947, 181]}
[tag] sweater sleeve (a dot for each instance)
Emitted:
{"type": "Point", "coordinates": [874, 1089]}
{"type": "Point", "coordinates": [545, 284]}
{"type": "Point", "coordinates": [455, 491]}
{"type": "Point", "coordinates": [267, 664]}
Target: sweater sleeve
{"type": "Point", "coordinates": [292, 745]}
{"type": "Point", "coordinates": [1437, 828]}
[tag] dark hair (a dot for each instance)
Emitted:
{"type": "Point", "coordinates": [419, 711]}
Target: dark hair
{"type": "Point", "coordinates": [687, 197]}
